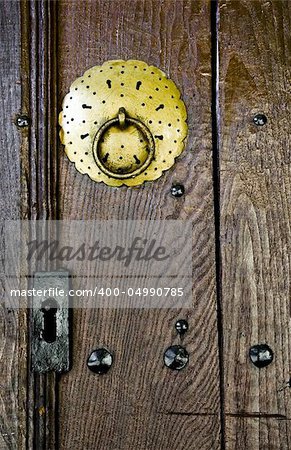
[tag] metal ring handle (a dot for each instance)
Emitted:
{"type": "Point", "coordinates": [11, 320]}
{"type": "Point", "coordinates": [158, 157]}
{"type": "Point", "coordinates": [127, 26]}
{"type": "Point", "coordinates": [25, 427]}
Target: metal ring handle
{"type": "Point", "coordinates": [122, 119]}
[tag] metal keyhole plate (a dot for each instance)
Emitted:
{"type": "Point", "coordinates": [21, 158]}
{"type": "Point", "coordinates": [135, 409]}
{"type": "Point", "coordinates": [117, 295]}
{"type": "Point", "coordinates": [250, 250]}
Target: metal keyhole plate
{"type": "Point", "coordinates": [151, 102]}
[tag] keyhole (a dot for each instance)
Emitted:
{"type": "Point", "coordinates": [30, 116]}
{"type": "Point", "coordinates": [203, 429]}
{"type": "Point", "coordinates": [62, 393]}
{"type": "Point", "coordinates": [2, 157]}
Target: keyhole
{"type": "Point", "coordinates": [49, 310]}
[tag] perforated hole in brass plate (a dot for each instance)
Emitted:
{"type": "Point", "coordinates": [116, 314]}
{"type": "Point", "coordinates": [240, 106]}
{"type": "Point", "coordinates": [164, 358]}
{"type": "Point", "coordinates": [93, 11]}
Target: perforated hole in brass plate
{"type": "Point", "coordinates": [133, 148]}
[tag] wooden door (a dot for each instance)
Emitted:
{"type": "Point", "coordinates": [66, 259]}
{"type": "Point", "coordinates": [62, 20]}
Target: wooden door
{"type": "Point", "coordinates": [231, 61]}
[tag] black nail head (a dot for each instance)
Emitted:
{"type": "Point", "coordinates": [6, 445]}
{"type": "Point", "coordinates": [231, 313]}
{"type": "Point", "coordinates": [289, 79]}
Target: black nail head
{"type": "Point", "coordinates": [100, 361]}
{"type": "Point", "coordinates": [22, 121]}
{"type": "Point", "coordinates": [181, 326]}
{"type": "Point", "coordinates": [261, 355]}
{"type": "Point", "coordinates": [260, 119]}
{"type": "Point", "coordinates": [177, 190]}
{"type": "Point", "coordinates": [176, 357]}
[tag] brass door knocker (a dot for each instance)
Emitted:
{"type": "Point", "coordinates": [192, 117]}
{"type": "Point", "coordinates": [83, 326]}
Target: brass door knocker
{"type": "Point", "coordinates": [123, 123]}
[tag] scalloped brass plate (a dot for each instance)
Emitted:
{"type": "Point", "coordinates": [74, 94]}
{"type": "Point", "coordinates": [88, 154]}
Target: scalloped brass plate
{"type": "Point", "coordinates": [123, 123]}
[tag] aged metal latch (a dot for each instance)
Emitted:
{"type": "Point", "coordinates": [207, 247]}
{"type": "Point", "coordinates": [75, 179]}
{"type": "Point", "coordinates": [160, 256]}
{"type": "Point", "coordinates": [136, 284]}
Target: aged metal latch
{"type": "Point", "coordinates": [50, 327]}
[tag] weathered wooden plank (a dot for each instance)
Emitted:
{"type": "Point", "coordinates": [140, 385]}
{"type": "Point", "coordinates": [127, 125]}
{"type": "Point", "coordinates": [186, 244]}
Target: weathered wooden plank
{"type": "Point", "coordinates": [10, 413]}
{"type": "Point", "coordinates": [255, 61]}
{"type": "Point", "coordinates": [141, 404]}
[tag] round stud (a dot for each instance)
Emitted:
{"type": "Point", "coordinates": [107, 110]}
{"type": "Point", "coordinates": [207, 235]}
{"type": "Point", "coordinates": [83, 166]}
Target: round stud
{"type": "Point", "coordinates": [181, 326]}
{"type": "Point", "coordinates": [100, 361]}
{"type": "Point", "coordinates": [177, 190]}
{"type": "Point", "coordinates": [261, 355]}
{"type": "Point", "coordinates": [260, 120]}
{"type": "Point", "coordinates": [22, 121]}
{"type": "Point", "coordinates": [176, 357]}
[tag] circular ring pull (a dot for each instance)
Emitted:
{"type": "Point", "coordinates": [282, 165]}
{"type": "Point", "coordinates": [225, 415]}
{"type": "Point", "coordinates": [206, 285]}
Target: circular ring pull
{"type": "Point", "coordinates": [122, 120]}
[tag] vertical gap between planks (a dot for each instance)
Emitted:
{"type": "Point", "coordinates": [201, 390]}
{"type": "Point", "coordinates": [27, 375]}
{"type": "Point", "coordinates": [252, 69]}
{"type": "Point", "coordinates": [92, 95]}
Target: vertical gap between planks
{"type": "Point", "coordinates": [53, 144]}
{"type": "Point", "coordinates": [215, 113]}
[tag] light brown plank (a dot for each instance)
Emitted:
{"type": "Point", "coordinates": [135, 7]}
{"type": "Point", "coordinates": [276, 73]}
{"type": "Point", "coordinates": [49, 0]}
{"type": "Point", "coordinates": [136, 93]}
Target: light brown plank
{"type": "Point", "coordinates": [140, 403]}
{"type": "Point", "coordinates": [255, 61]}
{"type": "Point", "coordinates": [13, 327]}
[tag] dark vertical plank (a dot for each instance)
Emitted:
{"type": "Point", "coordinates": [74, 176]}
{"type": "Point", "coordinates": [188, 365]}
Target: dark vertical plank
{"type": "Point", "coordinates": [255, 62]}
{"type": "Point", "coordinates": [10, 411]}
{"type": "Point", "coordinates": [142, 404]}
{"type": "Point", "coordinates": [39, 162]}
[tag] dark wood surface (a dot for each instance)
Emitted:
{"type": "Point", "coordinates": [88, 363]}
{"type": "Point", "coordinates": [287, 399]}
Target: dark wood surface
{"type": "Point", "coordinates": [140, 403]}
{"type": "Point", "coordinates": [255, 61]}
{"type": "Point", "coordinates": [40, 175]}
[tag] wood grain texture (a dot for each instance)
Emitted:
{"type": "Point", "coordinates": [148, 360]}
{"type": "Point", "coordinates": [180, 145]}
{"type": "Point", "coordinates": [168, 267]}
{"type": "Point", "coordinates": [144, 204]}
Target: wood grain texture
{"type": "Point", "coordinates": [140, 403]}
{"type": "Point", "coordinates": [10, 351]}
{"type": "Point", "coordinates": [258, 433]}
{"type": "Point", "coordinates": [255, 61]}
